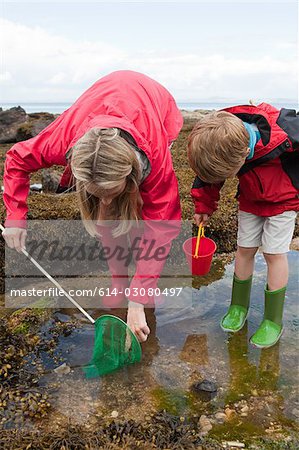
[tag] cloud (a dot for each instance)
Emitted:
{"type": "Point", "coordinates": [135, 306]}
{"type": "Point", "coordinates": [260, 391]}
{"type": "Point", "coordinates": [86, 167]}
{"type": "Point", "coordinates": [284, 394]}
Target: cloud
{"type": "Point", "coordinates": [58, 78]}
{"type": "Point", "coordinates": [38, 60]}
{"type": "Point", "coordinates": [42, 66]}
{"type": "Point", "coordinates": [191, 76]}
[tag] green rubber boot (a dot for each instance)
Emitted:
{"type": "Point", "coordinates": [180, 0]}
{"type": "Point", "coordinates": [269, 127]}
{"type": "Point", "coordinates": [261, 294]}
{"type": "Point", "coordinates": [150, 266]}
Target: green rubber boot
{"type": "Point", "coordinates": [270, 330]}
{"type": "Point", "coordinates": [237, 313]}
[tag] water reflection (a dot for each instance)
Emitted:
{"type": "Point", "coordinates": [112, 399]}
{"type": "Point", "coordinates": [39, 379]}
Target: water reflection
{"type": "Point", "coordinates": [195, 349]}
{"type": "Point", "coordinates": [186, 345]}
{"type": "Point", "coordinates": [246, 375]}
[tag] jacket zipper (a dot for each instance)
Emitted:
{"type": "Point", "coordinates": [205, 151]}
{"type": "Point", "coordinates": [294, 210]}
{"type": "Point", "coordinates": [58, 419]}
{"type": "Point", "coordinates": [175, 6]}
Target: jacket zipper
{"type": "Point", "coordinates": [259, 181]}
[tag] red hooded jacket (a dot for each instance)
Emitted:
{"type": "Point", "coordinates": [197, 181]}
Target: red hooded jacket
{"type": "Point", "coordinates": [269, 182]}
{"type": "Point", "coordinates": [124, 99]}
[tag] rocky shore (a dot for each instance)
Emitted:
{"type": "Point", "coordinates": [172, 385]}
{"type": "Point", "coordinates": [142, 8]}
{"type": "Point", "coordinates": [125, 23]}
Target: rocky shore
{"type": "Point", "coordinates": [16, 125]}
{"type": "Point", "coordinates": [30, 343]}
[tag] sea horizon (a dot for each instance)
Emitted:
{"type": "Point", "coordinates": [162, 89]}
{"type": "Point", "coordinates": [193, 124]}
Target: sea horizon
{"type": "Point", "coordinates": [59, 107]}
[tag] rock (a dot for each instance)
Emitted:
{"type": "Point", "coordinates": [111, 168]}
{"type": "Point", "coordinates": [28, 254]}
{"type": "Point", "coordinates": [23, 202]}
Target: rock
{"type": "Point", "coordinates": [220, 416]}
{"type": "Point", "coordinates": [205, 389]}
{"type": "Point", "coordinates": [16, 125]}
{"type": "Point", "coordinates": [36, 187]}
{"type": "Point", "coordinates": [93, 421]}
{"type": "Point", "coordinates": [229, 413]}
{"type": "Point", "coordinates": [60, 317]}
{"type": "Point", "coordinates": [10, 121]}
{"type": "Point", "coordinates": [245, 409]}
{"type": "Point", "coordinates": [205, 386]}
{"type": "Point", "coordinates": [254, 392]}
{"type": "Point", "coordinates": [64, 369]}
{"type": "Point", "coordinates": [295, 412]}
{"type": "Point", "coordinates": [233, 444]}
{"type": "Point", "coordinates": [114, 414]}
{"type": "Point", "coordinates": [295, 244]}
{"type": "Point", "coordinates": [205, 424]}
{"type": "Point", "coordinates": [34, 125]}
{"type": "Point", "coordinates": [50, 180]}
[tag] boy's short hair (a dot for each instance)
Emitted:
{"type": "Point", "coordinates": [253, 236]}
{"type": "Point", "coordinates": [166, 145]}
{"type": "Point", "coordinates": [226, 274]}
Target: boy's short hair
{"type": "Point", "coordinates": [217, 146]}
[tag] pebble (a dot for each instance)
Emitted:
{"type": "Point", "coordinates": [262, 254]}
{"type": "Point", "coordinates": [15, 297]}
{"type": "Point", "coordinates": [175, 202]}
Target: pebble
{"type": "Point", "coordinates": [220, 416]}
{"type": "Point", "coordinates": [295, 412]}
{"type": "Point", "coordinates": [229, 413]}
{"type": "Point", "coordinates": [205, 386]}
{"type": "Point", "coordinates": [93, 421]}
{"type": "Point", "coordinates": [205, 424]}
{"type": "Point", "coordinates": [62, 317]}
{"type": "Point", "coordinates": [255, 393]}
{"type": "Point", "coordinates": [64, 369]}
{"type": "Point", "coordinates": [233, 444]}
{"type": "Point", "coordinates": [245, 409]}
{"type": "Point", "coordinates": [205, 389]}
{"type": "Point", "coordinates": [114, 414]}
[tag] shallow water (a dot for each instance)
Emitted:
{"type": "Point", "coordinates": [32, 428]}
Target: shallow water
{"type": "Point", "coordinates": [187, 345]}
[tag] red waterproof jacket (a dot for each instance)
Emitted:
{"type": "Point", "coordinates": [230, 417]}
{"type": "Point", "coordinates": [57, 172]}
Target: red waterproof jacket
{"type": "Point", "coordinates": [124, 99]}
{"type": "Point", "coordinates": [269, 182]}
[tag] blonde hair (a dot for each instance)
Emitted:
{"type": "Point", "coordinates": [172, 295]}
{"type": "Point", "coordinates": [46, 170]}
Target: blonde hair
{"type": "Point", "coordinates": [217, 145]}
{"type": "Point", "coordinates": [104, 158]}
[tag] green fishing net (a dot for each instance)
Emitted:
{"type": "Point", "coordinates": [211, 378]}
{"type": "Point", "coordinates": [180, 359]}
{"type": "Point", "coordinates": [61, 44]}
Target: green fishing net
{"type": "Point", "coordinates": [115, 346]}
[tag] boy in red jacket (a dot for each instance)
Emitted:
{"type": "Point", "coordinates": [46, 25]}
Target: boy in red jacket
{"type": "Point", "coordinates": [115, 141]}
{"type": "Point", "coordinates": [260, 145]}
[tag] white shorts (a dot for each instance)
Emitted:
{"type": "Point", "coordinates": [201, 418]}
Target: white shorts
{"type": "Point", "coordinates": [273, 233]}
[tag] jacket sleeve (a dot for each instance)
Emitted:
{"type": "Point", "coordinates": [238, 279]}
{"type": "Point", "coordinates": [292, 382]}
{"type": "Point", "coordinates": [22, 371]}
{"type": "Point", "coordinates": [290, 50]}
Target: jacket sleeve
{"type": "Point", "coordinates": [205, 196]}
{"type": "Point", "coordinates": [288, 120]}
{"type": "Point", "coordinates": [154, 244]}
{"type": "Point", "coordinates": [66, 182]}
{"type": "Point", "coordinates": [26, 157]}
{"type": "Point", "coordinates": [161, 214]}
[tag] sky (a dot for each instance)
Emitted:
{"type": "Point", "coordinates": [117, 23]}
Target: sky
{"type": "Point", "coordinates": [201, 51]}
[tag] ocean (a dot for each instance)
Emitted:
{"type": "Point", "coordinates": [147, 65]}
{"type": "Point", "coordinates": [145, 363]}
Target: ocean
{"type": "Point", "coordinates": [58, 108]}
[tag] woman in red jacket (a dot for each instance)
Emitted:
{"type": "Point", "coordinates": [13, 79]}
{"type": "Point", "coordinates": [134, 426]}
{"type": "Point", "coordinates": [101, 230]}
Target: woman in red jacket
{"type": "Point", "coordinates": [115, 142]}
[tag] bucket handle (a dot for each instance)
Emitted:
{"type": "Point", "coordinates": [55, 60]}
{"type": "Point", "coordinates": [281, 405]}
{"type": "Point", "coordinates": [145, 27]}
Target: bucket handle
{"type": "Point", "coordinates": [200, 234]}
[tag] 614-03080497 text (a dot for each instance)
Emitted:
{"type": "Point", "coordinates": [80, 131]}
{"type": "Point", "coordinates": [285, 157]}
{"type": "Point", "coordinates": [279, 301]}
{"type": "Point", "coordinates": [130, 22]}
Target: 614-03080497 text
{"type": "Point", "coordinates": [97, 291]}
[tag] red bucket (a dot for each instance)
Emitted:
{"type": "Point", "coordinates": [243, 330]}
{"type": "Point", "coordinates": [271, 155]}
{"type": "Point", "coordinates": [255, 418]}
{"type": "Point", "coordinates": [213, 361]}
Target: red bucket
{"type": "Point", "coordinates": [200, 265]}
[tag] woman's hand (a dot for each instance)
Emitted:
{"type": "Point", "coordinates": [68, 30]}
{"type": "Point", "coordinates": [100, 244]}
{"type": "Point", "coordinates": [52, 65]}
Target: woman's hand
{"type": "Point", "coordinates": [201, 218]}
{"type": "Point", "coordinates": [137, 322]}
{"type": "Point", "coordinates": [15, 238]}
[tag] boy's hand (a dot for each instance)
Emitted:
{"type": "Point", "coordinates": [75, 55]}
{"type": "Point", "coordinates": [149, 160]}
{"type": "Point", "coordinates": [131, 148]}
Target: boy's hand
{"type": "Point", "coordinates": [201, 218]}
{"type": "Point", "coordinates": [15, 238]}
